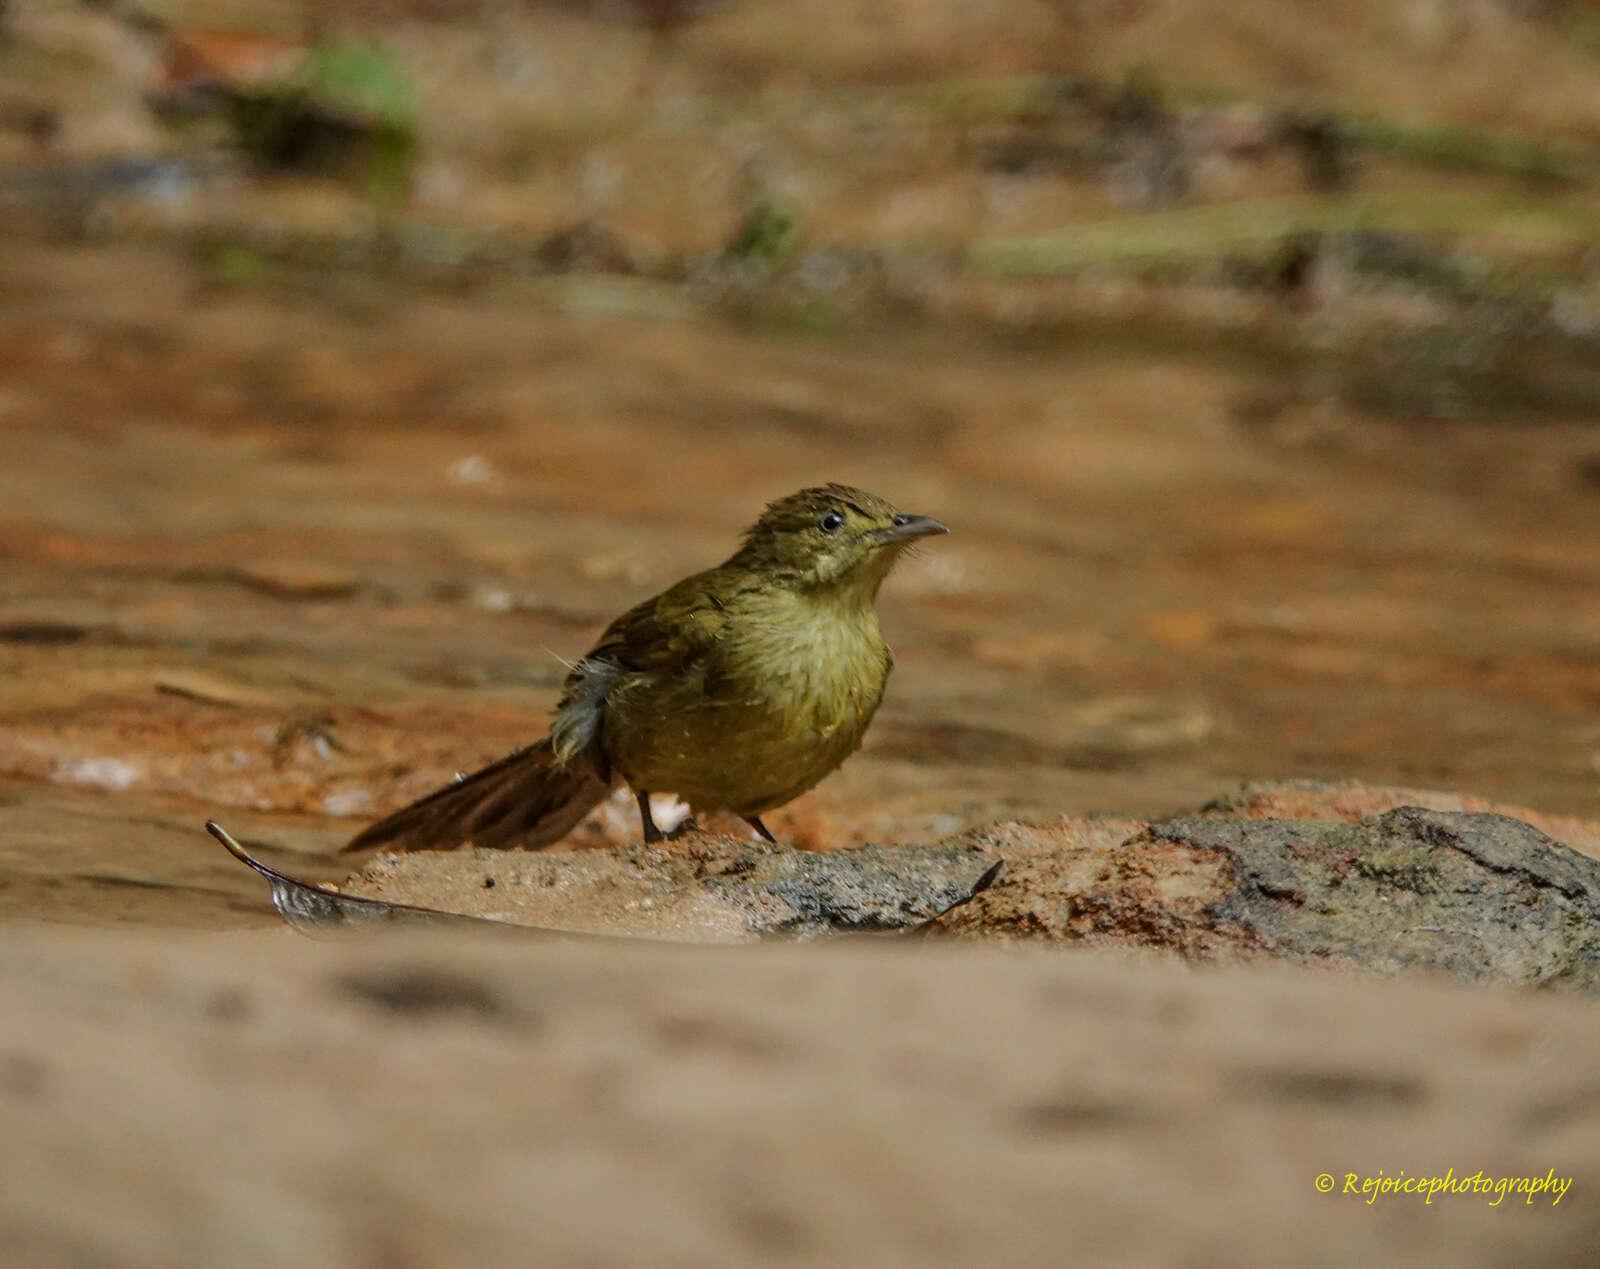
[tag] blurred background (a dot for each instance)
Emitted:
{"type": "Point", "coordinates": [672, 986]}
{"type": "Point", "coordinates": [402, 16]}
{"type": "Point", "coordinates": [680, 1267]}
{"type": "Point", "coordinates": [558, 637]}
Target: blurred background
{"type": "Point", "coordinates": [358, 361]}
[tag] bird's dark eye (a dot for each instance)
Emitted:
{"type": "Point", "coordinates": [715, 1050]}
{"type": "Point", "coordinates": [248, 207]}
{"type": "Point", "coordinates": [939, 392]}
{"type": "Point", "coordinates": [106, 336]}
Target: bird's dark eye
{"type": "Point", "coordinates": [831, 522]}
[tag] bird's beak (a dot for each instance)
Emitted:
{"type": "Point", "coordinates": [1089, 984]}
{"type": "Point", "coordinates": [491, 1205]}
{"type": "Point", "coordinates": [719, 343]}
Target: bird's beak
{"type": "Point", "coordinates": [909, 528]}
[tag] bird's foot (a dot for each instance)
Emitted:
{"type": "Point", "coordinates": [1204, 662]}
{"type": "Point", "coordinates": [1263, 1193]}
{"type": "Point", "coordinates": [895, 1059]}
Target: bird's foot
{"type": "Point", "coordinates": [652, 834]}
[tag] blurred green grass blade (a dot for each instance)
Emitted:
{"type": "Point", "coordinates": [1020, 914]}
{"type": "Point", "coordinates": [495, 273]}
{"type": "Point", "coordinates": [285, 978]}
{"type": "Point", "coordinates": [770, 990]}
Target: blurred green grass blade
{"type": "Point", "coordinates": [1198, 234]}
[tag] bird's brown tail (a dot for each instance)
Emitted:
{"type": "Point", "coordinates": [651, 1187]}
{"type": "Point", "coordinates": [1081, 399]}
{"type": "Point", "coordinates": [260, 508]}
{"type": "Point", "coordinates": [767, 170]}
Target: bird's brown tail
{"type": "Point", "coordinates": [526, 799]}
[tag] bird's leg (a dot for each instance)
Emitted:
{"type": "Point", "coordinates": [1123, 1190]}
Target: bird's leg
{"type": "Point", "coordinates": [755, 822]}
{"type": "Point", "coordinates": [651, 832]}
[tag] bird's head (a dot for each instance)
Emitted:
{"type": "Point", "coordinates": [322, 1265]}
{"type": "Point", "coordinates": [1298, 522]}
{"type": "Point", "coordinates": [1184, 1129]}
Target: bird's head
{"type": "Point", "coordinates": [832, 537]}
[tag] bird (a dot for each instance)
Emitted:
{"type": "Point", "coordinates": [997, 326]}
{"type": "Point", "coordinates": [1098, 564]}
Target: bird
{"type": "Point", "coordinates": [737, 689]}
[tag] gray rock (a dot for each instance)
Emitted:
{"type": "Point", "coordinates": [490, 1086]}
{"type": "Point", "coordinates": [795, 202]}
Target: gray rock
{"type": "Point", "coordinates": [869, 889]}
{"type": "Point", "coordinates": [1481, 896]}
{"type": "Point", "coordinates": [1484, 897]}
{"type": "Point", "coordinates": [699, 888]}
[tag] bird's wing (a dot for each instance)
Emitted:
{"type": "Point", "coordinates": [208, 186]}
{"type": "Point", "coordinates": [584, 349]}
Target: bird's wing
{"type": "Point", "coordinates": [676, 631]}
{"type": "Point", "coordinates": [670, 636]}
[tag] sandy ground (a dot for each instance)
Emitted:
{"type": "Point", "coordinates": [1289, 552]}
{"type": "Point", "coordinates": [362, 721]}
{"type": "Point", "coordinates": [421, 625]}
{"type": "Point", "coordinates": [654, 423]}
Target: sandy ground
{"type": "Point", "coordinates": [261, 1100]}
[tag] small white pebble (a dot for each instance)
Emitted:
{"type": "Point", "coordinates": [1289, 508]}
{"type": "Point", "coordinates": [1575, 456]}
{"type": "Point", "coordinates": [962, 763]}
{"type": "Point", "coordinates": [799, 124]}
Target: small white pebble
{"type": "Point", "coordinates": [474, 469]}
{"type": "Point", "coordinates": [350, 802]}
{"type": "Point", "coordinates": [495, 599]}
{"type": "Point", "coordinates": [100, 773]}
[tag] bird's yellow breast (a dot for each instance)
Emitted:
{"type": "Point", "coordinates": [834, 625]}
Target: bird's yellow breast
{"type": "Point", "coordinates": [778, 700]}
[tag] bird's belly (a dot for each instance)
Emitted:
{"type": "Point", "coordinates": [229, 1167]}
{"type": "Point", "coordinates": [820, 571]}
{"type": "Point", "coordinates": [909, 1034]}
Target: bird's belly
{"type": "Point", "coordinates": [744, 740]}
